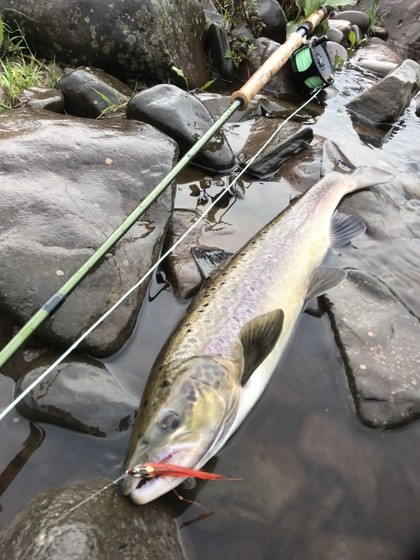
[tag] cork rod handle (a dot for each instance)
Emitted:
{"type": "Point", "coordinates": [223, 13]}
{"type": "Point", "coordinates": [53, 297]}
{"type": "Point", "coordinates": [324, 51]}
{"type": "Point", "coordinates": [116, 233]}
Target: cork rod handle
{"type": "Point", "coordinates": [276, 61]}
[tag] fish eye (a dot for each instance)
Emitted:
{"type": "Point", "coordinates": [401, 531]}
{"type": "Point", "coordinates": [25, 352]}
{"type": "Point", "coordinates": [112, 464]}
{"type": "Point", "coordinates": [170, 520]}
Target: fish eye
{"type": "Point", "coordinates": [170, 421]}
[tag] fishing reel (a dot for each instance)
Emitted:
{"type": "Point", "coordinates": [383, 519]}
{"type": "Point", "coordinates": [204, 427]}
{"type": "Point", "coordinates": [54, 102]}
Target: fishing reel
{"type": "Point", "coordinates": [311, 65]}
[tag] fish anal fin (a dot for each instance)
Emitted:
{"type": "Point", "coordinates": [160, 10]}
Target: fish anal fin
{"type": "Point", "coordinates": [323, 279]}
{"type": "Point", "coordinates": [208, 259]}
{"type": "Point", "coordinates": [344, 227]}
{"type": "Point", "coordinates": [258, 338]}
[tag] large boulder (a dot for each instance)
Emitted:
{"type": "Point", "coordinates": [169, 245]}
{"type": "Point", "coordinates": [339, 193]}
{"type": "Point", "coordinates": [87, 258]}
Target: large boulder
{"type": "Point", "coordinates": [400, 19]}
{"type": "Point", "coordinates": [67, 185]}
{"type": "Point", "coordinates": [137, 39]}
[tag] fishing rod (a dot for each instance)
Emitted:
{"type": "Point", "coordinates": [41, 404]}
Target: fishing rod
{"type": "Point", "coordinates": [239, 100]}
{"type": "Point", "coordinates": [155, 266]}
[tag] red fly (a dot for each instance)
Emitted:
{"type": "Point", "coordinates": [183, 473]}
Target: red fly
{"type": "Point", "coordinates": [153, 470]}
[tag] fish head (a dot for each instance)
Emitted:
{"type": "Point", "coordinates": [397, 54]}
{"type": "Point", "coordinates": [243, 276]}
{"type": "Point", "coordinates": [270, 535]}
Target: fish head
{"type": "Point", "coordinates": [182, 422]}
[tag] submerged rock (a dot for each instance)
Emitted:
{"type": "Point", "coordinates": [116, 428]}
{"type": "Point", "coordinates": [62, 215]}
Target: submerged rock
{"type": "Point", "coordinates": [81, 394]}
{"type": "Point", "coordinates": [385, 102]}
{"type": "Point", "coordinates": [137, 39]}
{"type": "Point", "coordinates": [105, 527]}
{"type": "Point", "coordinates": [270, 161]}
{"type": "Point", "coordinates": [183, 117]}
{"type": "Point", "coordinates": [67, 185]}
{"type": "Point", "coordinates": [379, 340]}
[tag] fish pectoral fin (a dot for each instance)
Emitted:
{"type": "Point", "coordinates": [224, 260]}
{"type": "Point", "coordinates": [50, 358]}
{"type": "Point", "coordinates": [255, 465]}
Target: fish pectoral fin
{"type": "Point", "coordinates": [323, 279]}
{"type": "Point", "coordinates": [258, 338]}
{"type": "Point", "coordinates": [209, 259]}
{"type": "Point", "coordinates": [344, 227]}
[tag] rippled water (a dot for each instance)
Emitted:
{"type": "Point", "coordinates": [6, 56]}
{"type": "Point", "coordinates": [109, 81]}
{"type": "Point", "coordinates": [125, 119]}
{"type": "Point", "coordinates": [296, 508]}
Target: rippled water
{"type": "Point", "coordinates": [316, 483]}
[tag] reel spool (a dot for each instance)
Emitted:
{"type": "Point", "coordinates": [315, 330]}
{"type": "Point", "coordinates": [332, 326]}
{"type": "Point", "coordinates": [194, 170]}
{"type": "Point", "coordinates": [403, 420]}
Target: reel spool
{"type": "Point", "coordinates": [311, 66]}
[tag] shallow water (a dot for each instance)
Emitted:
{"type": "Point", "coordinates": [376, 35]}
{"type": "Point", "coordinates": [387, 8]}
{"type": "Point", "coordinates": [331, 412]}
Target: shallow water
{"type": "Point", "coordinates": [316, 482]}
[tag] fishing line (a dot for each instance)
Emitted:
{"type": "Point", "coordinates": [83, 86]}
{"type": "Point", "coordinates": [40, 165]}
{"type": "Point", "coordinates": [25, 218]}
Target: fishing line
{"type": "Point", "coordinates": [26, 391]}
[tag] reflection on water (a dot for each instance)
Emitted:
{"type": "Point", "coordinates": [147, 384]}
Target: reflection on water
{"type": "Point", "coordinates": [315, 482]}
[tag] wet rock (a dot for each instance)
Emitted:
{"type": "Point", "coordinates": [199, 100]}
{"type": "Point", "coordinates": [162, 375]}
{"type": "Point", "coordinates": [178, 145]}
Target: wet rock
{"type": "Point", "coordinates": [76, 180]}
{"type": "Point", "coordinates": [361, 19]}
{"type": "Point", "coordinates": [273, 18]}
{"type": "Point", "coordinates": [334, 34]}
{"type": "Point", "coordinates": [90, 92]}
{"type": "Point", "coordinates": [380, 58]}
{"type": "Point", "coordinates": [270, 161]}
{"type": "Point", "coordinates": [218, 47]}
{"type": "Point", "coordinates": [385, 102]}
{"type": "Point", "coordinates": [106, 526]}
{"type": "Point", "coordinates": [333, 546]}
{"type": "Point", "coordinates": [401, 21]}
{"type": "Point", "coordinates": [375, 330]}
{"type": "Point", "coordinates": [184, 118]}
{"type": "Point", "coordinates": [342, 25]}
{"type": "Point", "coordinates": [34, 97]}
{"type": "Point", "coordinates": [282, 82]}
{"type": "Point", "coordinates": [182, 271]}
{"type": "Point", "coordinates": [358, 35]}
{"type": "Point", "coordinates": [80, 394]}
{"type": "Point", "coordinates": [354, 463]}
{"type": "Point", "coordinates": [136, 39]}
{"type": "Point", "coordinates": [337, 53]}
{"type": "Point", "coordinates": [379, 32]}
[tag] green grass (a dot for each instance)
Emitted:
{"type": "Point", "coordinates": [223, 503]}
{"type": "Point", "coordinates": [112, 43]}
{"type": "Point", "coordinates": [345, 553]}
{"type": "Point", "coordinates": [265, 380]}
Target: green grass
{"type": "Point", "coordinates": [19, 68]}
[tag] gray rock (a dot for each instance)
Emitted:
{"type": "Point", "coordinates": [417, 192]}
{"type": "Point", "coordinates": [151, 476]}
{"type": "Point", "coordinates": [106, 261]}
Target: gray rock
{"type": "Point", "coordinates": [337, 53]}
{"type": "Point", "coordinates": [41, 98]}
{"type": "Point", "coordinates": [342, 25]}
{"type": "Point", "coordinates": [80, 394]}
{"type": "Point", "coordinates": [136, 39]}
{"type": "Point", "coordinates": [379, 32]}
{"type": "Point", "coordinates": [334, 34]}
{"type": "Point", "coordinates": [106, 527]}
{"type": "Point", "coordinates": [282, 82]}
{"type": "Point", "coordinates": [385, 102]}
{"type": "Point", "coordinates": [67, 184]}
{"type": "Point", "coordinates": [361, 19]}
{"type": "Point", "coordinates": [90, 92]}
{"type": "Point", "coordinates": [184, 118]}
{"type": "Point", "coordinates": [218, 46]}
{"type": "Point", "coordinates": [358, 35]}
{"type": "Point", "coordinates": [273, 18]}
{"type": "Point", "coordinates": [380, 58]}
{"type": "Point", "coordinates": [375, 330]}
{"type": "Point", "coordinates": [182, 270]}
{"type": "Point", "coordinates": [401, 21]}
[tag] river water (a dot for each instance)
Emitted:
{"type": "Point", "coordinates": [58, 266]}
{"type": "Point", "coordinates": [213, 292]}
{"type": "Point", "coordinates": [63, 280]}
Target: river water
{"type": "Point", "coordinates": [315, 483]}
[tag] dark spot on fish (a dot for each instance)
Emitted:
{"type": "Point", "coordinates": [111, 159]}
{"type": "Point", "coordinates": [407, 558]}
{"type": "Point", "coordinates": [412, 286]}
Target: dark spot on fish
{"type": "Point", "coordinates": [165, 384]}
{"type": "Point", "coordinates": [206, 305]}
{"type": "Point", "coordinates": [189, 330]}
{"type": "Point", "coordinates": [145, 403]}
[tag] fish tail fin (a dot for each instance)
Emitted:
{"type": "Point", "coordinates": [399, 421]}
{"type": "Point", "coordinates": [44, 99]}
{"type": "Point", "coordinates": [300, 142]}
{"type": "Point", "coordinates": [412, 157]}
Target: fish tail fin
{"type": "Point", "coordinates": [363, 177]}
{"type": "Point", "coordinates": [367, 176]}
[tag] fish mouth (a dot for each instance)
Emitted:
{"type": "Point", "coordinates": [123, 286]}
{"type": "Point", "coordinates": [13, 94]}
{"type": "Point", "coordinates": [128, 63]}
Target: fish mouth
{"type": "Point", "coordinates": [143, 490]}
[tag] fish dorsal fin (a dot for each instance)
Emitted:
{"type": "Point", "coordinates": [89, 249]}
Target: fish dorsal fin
{"type": "Point", "coordinates": [258, 338]}
{"type": "Point", "coordinates": [209, 259]}
{"type": "Point", "coordinates": [344, 227]}
{"type": "Point", "coordinates": [323, 279]}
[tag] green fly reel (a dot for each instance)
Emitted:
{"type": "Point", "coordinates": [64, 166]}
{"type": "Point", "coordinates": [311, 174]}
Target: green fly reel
{"type": "Point", "coordinates": [312, 66]}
